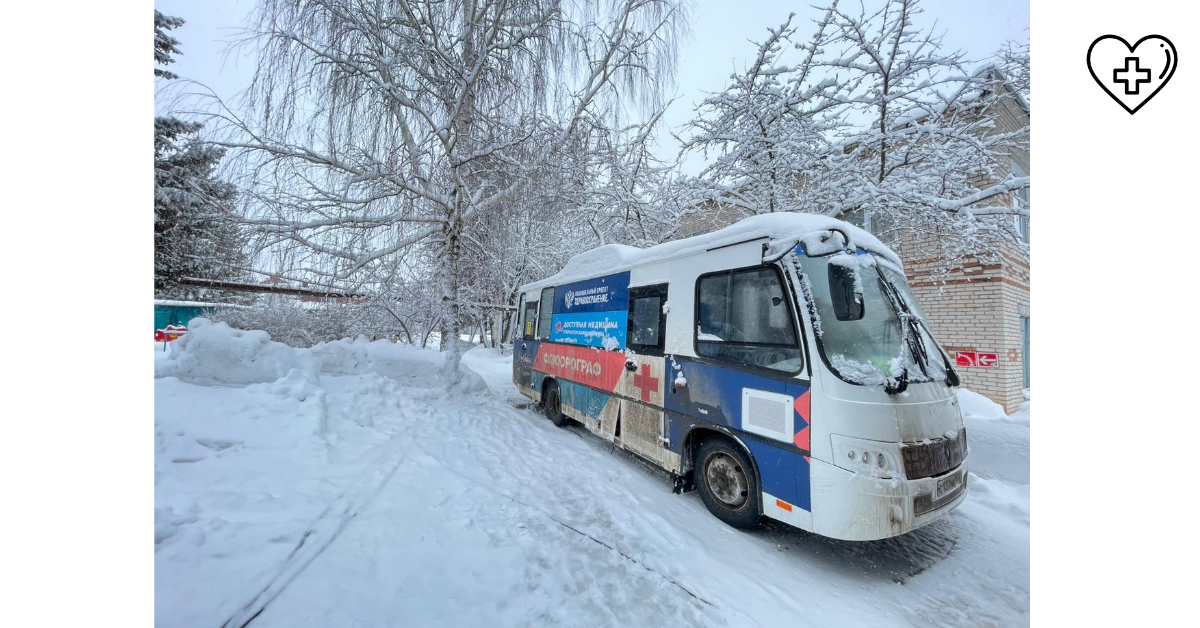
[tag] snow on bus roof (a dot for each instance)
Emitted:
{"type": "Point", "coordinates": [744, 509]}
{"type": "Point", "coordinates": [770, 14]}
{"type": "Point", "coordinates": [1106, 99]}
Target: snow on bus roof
{"type": "Point", "coordinates": [612, 258]}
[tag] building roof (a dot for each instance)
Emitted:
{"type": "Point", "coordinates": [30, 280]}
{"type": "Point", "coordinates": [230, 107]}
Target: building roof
{"type": "Point", "coordinates": [175, 303]}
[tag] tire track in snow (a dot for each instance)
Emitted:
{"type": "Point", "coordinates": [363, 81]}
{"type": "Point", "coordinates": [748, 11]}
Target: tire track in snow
{"type": "Point", "coordinates": [632, 560]}
{"type": "Point", "coordinates": [594, 443]}
{"type": "Point", "coordinates": [321, 533]}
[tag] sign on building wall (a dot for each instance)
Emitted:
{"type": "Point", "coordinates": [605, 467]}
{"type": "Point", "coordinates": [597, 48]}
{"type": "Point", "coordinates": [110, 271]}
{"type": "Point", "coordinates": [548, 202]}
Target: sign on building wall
{"type": "Point", "coordinates": [977, 359]}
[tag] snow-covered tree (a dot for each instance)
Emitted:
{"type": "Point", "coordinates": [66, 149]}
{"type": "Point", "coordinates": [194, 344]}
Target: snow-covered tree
{"type": "Point", "coordinates": [164, 44]}
{"type": "Point", "coordinates": [612, 187]}
{"type": "Point", "coordinates": [194, 231]}
{"type": "Point", "coordinates": [377, 127]}
{"type": "Point", "coordinates": [1013, 61]}
{"type": "Point", "coordinates": [928, 157]}
{"type": "Point", "coordinates": [869, 118]}
{"type": "Point", "coordinates": [764, 131]}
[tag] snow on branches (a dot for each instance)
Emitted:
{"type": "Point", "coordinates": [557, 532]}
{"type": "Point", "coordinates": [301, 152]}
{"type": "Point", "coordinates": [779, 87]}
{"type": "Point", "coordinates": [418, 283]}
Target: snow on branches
{"type": "Point", "coordinates": [871, 119]}
{"type": "Point", "coordinates": [764, 132]}
{"type": "Point", "coordinates": [393, 130]}
{"type": "Point", "coordinates": [194, 229]}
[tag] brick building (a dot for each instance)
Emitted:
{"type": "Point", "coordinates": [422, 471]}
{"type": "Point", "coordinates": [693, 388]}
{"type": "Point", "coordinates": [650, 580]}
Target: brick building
{"type": "Point", "coordinates": [980, 308]}
{"type": "Point", "coordinates": [983, 306]}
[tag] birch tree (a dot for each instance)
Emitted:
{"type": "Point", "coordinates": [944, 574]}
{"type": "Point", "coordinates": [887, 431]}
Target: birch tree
{"type": "Point", "coordinates": [377, 126]}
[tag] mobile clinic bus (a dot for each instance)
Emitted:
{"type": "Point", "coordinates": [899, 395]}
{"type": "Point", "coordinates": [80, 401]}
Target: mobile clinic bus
{"type": "Point", "coordinates": [779, 366]}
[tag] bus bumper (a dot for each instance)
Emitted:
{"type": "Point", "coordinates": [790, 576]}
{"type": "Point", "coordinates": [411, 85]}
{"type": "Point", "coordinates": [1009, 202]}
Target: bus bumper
{"type": "Point", "coordinates": [856, 507]}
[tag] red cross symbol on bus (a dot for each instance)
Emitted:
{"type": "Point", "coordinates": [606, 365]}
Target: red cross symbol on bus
{"type": "Point", "coordinates": [645, 382]}
{"type": "Point", "coordinates": [1132, 86]}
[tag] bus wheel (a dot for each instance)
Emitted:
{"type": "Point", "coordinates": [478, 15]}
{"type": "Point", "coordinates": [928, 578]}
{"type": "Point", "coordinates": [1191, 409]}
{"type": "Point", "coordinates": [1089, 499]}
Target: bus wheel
{"type": "Point", "coordinates": [726, 483]}
{"type": "Point", "coordinates": [553, 404]}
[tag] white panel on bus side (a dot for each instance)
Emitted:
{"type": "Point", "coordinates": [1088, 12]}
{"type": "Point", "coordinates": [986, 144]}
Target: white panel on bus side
{"type": "Point", "coordinates": [768, 414]}
{"type": "Point", "coordinates": [650, 274]}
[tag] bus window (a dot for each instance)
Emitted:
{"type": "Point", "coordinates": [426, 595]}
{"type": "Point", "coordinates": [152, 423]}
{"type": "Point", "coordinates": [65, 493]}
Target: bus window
{"type": "Point", "coordinates": [545, 314]}
{"type": "Point", "coordinates": [742, 316]}
{"type": "Point", "coordinates": [528, 318]}
{"type": "Point", "coordinates": [647, 319]}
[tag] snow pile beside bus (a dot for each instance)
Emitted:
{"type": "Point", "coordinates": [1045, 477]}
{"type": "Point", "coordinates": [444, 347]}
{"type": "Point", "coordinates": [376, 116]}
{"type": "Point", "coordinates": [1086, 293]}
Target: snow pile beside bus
{"type": "Point", "coordinates": [999, 443]}
{"type": "Point", "coordinates": [215, 353]}
{"type": "Point", "coordinates": [387, 359]}
{"type": "Point", "coordinates": [358, 356]}
{"type": "Point", "coordinates": [976, 406]}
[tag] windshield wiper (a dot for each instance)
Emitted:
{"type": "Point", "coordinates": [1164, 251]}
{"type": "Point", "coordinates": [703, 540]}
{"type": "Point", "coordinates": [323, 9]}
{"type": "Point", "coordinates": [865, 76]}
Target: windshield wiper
{"type": "Point", "coordinates": [916, 345]}
{"type": "Point", "coordinates": [952, 378]}
{"type": "Point", "coordinates": [912, 334]}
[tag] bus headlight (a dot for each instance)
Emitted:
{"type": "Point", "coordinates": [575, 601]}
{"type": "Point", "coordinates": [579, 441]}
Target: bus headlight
{"type": "Point", "coordinates": [868, 457]}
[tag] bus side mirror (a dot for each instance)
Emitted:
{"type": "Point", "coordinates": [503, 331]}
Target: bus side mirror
{"type": "Point", "coordinates": [845, 290]}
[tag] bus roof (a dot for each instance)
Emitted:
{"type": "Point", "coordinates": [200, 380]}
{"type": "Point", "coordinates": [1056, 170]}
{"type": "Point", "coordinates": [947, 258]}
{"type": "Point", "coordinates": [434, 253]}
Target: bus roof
{"type": "Point", "coordinates": [613, 258]}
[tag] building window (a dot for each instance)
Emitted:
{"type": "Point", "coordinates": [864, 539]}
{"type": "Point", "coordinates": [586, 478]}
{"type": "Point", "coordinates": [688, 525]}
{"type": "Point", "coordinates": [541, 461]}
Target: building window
{"type": "Point", "coordinates": [1020, 200]}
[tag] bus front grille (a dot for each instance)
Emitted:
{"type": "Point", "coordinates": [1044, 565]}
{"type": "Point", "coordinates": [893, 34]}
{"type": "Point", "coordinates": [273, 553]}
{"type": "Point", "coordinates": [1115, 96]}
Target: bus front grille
{"type": "Point", "coordinates": [923, 460]}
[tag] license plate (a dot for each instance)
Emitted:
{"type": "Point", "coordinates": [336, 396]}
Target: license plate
{"type": "Point", "coordinates": [947, 485]}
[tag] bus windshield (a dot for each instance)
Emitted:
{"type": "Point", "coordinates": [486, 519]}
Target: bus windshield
{"type": "Point", "coordinates": [890, 343]}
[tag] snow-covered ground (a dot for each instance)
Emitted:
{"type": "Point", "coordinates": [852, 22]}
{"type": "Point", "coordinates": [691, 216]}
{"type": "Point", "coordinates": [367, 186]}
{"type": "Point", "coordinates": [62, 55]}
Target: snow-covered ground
{"type": "Point", "coordinates": [347, 486]}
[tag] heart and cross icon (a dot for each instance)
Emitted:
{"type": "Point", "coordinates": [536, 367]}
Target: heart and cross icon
{"type": "Point", "coordinates": [1132, 74]}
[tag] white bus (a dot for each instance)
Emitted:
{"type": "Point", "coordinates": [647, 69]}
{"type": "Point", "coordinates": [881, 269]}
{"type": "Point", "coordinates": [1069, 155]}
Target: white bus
{"type": "Point", "coordinates": [779, 366]}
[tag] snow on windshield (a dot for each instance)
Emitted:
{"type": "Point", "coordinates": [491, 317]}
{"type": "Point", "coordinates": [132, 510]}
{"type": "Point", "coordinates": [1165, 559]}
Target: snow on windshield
{"type": "Point", "coordinates": [876, 349]}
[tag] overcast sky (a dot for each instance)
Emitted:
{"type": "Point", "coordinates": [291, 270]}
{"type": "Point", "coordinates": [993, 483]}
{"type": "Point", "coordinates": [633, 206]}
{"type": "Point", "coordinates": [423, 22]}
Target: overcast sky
{"type": "Point", "coordinates": [717, 47]}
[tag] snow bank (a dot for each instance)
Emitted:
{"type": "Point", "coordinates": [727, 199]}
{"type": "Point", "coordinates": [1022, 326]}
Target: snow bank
{"type": "Point", "coordinates": [976, 406]}
{"type": "Point", "coordinates": [413, 365]}
{"type": "Point", "coordinates": [359, 356]}
{"type": "Point", "coordinates": [999, 443]}
{"type": "Point", "coordinates": [215, 353]}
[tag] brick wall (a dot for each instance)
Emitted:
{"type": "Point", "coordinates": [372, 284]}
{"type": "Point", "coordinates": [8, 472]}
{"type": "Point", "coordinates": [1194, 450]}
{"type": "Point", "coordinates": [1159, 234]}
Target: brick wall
{"type": "Point", "coordinates": [977, 308]}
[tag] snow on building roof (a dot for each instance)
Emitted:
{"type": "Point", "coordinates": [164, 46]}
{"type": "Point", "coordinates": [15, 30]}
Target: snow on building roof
{"type": "Point", "coordinates": [613, 258]}
{"type": "Point", "coordinates": [173, 303]}
{"type": "Point", "coordinates": [968, 91]}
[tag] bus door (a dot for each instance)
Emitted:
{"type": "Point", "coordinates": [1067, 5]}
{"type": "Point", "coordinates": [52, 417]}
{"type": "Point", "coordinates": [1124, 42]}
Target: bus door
{"type": "Point", "coordinates": [642, 424]}
{"type": "Point", "coordinates": [525, 348]}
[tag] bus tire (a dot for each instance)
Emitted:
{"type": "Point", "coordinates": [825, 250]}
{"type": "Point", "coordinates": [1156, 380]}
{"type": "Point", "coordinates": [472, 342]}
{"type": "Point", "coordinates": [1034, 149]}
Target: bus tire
{"type": "Point", "coordinates": [553, 405]}
{"type": "Point", "coordinates": [726, 483]}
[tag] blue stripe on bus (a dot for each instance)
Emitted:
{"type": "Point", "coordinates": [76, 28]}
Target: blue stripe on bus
{"type": "Point", "coordinates": [609, 293]}
{"type": "Point", "coordinates": [784, 473]}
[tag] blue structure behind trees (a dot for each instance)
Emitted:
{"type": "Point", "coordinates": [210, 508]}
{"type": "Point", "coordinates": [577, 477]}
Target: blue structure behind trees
{"type": "Point", "coordinates": [180, 312]}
